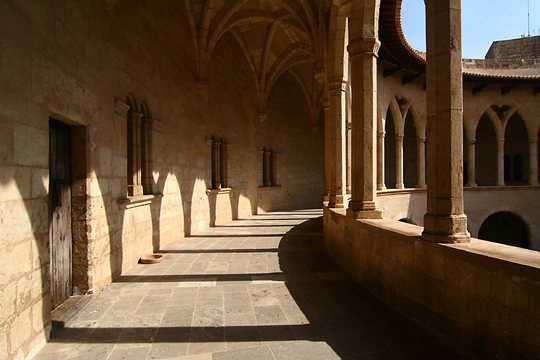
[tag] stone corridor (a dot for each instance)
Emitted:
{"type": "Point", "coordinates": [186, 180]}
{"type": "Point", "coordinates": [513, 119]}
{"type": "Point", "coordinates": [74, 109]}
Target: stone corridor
{"type": "Point", "coordinates": [261, 288]}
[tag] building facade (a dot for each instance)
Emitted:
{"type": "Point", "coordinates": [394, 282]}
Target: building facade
{"type": "Point", "coordinates": [126, 125]}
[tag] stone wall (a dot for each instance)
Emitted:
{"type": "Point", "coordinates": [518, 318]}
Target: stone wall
{"type": "Point", "coordinates": [480, 203]}
{"type": "Point", "coordinates": [479, 297]}
{"type": "Point", "coordinates": [77, 62]}
{"type": "Point", "coordinates": [522, 48]}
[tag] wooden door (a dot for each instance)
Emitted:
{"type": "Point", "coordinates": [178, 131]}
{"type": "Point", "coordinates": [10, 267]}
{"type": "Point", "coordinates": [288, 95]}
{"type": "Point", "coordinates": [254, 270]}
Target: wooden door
{"type": "Point", "coordinates": [60, 211]}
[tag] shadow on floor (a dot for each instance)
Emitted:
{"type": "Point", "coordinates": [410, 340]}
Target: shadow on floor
{"type": "Point", "coordinates": [309, 309]}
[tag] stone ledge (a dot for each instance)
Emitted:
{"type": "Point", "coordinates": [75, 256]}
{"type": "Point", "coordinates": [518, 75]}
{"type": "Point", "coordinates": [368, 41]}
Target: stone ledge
{"type": "Point", "coordinates": [269, 188]}
{"type": "Point", "coordinates": [136, 201]}
{"type": "Point", "coordinates": [218, 191]}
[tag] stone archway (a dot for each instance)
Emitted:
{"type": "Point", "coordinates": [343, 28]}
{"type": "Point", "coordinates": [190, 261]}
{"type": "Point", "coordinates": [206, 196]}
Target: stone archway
{"type": "Point", "coordinates": [390, 151]}
{"type": "Point", "coordinates": [507, 228]}
{"type": "Point", "coordinates": [486, 153]}
{"type": "Point", "coordinates": [516, 152]}
{"type": "Point", "coordinates": [410, 158]}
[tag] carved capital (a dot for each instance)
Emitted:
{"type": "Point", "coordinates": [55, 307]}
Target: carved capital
{"type": "Point", "coordinates": [533, 141]}
{"type": "Point", "coordinates": [120, 107]}
{"type": "Point", "coordinates": [421, 139]}
{"type": "Point", "coordinates": [471, 142]}
{"type": "Point", "coordinates": [135, 116]}
{"type": "Point", "coordinates": [381, 134]}
{"type": "Point", "coordinates": [261, 116]}
{"type": "Point", "coordinates": [326, 105]}
{"type": "Point", "coordinates": [368, 46]}
{"type": "Point", "coordinates": [337, 86]}
{"type": "Point", "coordinates": [319, 76]}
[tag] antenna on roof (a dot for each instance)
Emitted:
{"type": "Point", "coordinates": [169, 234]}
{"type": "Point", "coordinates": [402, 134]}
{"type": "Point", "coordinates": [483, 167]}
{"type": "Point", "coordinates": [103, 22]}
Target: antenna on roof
{"type": "Point", "coordinates": [528, 18]}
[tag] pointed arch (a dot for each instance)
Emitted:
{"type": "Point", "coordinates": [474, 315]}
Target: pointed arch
{"type": "Point", "coordinates": [516, 150]}
{"type": "Point", "coordinates": [486, 150]}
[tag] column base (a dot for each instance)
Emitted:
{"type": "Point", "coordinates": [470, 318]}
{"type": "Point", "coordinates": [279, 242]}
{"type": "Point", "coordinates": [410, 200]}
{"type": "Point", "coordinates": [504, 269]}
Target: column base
{"type": "Point", "coordinates": [446, 229]}
{"type": "Point", "coordinates": [472, 184]}
{"type": "Point", "coordinates": [336, 201]}
{"type": "Point", "coordinates": [421, 186]}
{"type": "Point", "coordinates": [363, 210]}
{"type": "Point", "coordinates": [381, 187]}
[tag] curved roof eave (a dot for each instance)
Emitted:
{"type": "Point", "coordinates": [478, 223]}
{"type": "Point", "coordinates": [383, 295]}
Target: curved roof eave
{"type": "Point", "coordinates": [398, 51]}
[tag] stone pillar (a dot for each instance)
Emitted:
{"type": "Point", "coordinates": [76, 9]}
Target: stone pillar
{"type": "Point", "coordinates": [327, 152]}
{"type": "Point", "coordinates": [223, 164]}
{"type": "Point", "coordinates": [444, 220]}
{"type": "Point", "coordinates": [267, 168]}
{"type": "Point", "coordinates": [349, 129]}
{"type": "Point", "coordinates": [216, 178]}
{"type": "Point", "coordinates": [421, 156]}
{"type": "Point", "coordinates": [349, 174]}
{"type": "Point", "coordinates": [134, 154]}
{"type": "Point", "coordinates": [147, 134]}
{"type": "Point", "coordinates": [380, 160]}
{"type": "Point", "coordinates": [273, 168]}
{"type": "Point", "coordinates": [500, 162]}
{"type": "Point", "coordinates": [338, 112]}
{"type": "Point", "coordinates": [533, 172]}
{"type": "Point", "coordinates": [399, 162]}
{"type": "Point", "coordinates": [363, 62]}
{"type": "Point", "coordinates": [471, 165]}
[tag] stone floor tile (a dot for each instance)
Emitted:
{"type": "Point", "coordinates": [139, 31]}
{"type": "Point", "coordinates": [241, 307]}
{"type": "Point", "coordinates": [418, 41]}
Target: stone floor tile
{"type": "Point", "coordinates": [123, 352]}
{"type": "Point", "coordinates": [254, 288]}
{"type": "Point", "coordinates": [258, 352]}
{"type": "Point", "coordinates": [266, 315]}
{"type": "Point", "coordinates": [303, 350]}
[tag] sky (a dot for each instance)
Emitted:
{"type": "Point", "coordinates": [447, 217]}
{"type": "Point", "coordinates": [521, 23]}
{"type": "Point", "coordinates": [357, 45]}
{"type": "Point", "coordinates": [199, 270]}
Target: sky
{"type": "Point", "coordinates": [483, 21]}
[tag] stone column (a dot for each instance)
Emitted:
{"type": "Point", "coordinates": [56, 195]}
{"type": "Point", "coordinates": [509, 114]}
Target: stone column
{"type": "Point", "coordinates": [216, 178]}
{"type": "Point", "coordinates": [223, 164]}
{"type": "Point", "coordinates": [421, 155]}
{"type": "Point", "coordinates": [338, 111]}
{"type": "Point", "coordinates": [500, 162]}
{"type": "Point", "coordinates": [267, 168]}
{"type": "Point", "coordinates": [273, 168]}
{"type": "Point", "coordinates": [363, 62]}
{"type": "Point", "coordinates": [399, 162]}
{"type": "Point", "coordinates": [349, 129]}
{"type": "Point", "coordinates": [471, 166]}
{"type": "Point", "coordinates": [533, 168]}
{"type": "Point", "coordinates": [327, 153]}
{"type": "Point", "coordinates": [146, 134]}
{"type": "Point", "coordinates": [134, 154]}
{"type": "Point", "coordinates": [349, 174]}
{"type": "Point", "coordinates": [444, 220]}
{"type": "Point", "coordinates": [380, 160]}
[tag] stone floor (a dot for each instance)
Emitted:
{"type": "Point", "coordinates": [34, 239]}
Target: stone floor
{"type": "Point", "coordinates": [261, 288]}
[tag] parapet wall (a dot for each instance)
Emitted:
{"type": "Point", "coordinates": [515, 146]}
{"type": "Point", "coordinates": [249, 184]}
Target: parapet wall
{"type": "Point", "coordinates": [480, 297]}
{"type": "Point", "coordinates": [521, 48]}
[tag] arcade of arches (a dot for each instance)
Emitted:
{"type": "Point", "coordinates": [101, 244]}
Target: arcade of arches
{"type": "Point", "coordinates": [127, 126]}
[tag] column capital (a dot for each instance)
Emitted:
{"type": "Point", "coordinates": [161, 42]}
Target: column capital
{"type": "Point", "coordinates": [533, 141]}
{"type": "Point", "coordinates": [471, 142]}
{"type": "Point", "coordinates": [326, 105]}
{"type": "Point", "coordinates": [381, 134]}
{"type": "Point", "coordinates": [420, 139]}
{"type": "Point", "coordinates": [337, 86]}
{"type": "Point", "coordinates": [134, 116]}
{"type": "Point", "coordinates": [363, 46]}
{"type": "Point", "coordinates": [120, 107]}
{"type": "Point", "coordinates": [399, 137]}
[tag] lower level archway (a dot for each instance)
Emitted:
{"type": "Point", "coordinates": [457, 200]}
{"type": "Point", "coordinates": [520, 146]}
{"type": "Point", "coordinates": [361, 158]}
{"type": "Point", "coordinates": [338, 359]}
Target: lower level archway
{"type": "Point", "coordinates": [505, 228]}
